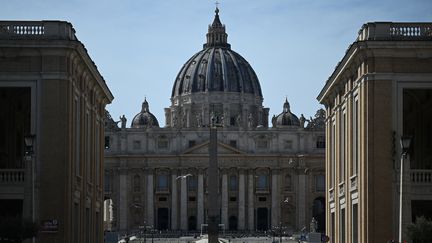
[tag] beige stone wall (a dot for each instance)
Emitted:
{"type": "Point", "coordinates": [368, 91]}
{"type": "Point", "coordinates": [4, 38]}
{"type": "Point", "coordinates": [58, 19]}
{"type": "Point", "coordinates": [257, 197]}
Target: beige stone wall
{"type": "Point", "coordinates": [375, 72]}
{"type": "Point", "coordinates": [58, 70]}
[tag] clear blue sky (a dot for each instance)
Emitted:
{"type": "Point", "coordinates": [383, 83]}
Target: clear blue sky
{"type": "Point", "coordinates": [140, 45]}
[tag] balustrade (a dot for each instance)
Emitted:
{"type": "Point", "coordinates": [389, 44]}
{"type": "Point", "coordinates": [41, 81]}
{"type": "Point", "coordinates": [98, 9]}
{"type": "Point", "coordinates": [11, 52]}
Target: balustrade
{"type": "Point", "coordinates": [395, 31]}
{"type": "Point", "coordinates": [36, 29]}
{"type": "Point", "coordinates": [421, 176]}
{"type": "Point", "coordinates": [11, 176]}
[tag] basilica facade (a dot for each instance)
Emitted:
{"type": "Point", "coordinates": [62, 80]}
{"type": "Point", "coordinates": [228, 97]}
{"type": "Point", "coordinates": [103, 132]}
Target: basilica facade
{"type": "Point", "coordinates": [269, 174]}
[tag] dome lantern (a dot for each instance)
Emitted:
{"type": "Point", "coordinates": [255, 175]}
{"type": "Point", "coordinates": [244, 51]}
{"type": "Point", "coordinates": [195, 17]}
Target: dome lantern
{"type": "Point", "coordinates": [217, 36]}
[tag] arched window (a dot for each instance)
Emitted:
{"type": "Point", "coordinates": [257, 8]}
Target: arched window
{"type": "Point", "coordinates": [136, 183]}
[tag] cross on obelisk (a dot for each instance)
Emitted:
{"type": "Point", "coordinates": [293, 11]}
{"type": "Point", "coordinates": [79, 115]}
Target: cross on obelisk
{"type": "Point", "coordinates": [217, 4]}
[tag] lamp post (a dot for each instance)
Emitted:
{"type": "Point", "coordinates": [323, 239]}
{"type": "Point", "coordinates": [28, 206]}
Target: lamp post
{"type": "Point", "coordinates": [405, 142]}
{"type": "Point", "coordinates": [29, 141]}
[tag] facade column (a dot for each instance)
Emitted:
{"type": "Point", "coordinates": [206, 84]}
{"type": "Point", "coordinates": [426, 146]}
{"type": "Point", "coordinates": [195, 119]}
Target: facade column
{"type": "Point", "coordinates": [173, 200]}
{"type": "Point", "coordinates": [224, 210]}
{"type": "Point", "coordinates": [241, 200]}
{"type": "Point", "coordinates": [275, 203]}
{"type": "Point", "coordinates": [183, 203]}
{"type": "Point", "coordinates": [150, 196]}
{"type": "Point", "coordinates": [123, 208]}
{"type": "Point", "coordinates": [251, 198]}
{"type": "Point", "coordinates": [200, 199]}
{"type": "Point", "coordinates": [301, 200]}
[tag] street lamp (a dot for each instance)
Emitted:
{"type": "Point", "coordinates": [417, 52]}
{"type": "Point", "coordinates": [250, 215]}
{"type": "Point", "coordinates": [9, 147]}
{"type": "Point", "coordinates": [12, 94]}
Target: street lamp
{"type": "Point", "coordinates": [29, 146]}
{"type": "Point", "coordinates": [29, 142]}
{"type": "Point", "coordinates": [405, 142]}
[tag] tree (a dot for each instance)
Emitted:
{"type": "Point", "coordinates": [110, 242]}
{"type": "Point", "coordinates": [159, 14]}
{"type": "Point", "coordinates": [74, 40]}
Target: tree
{"type": "Point", "coordinates": [420, 231]}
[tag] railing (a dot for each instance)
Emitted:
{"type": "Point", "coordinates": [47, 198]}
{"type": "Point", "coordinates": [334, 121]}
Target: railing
{"type": "Point", "coordinates": [36, 29]}
{"type": "Point", "coordinates": [11, 176]}
{"type": "Point", "coordinates": [421, 176]}
{"type": "Point", "coordinates": [395, 31]}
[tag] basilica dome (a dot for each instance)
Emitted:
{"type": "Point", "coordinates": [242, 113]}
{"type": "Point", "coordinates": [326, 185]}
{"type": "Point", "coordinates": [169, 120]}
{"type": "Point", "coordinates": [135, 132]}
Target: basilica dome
{"type": "Point", "coordinates": [216, 82]}
{"type": "Point", "coordinates": [216, 68]}
{"type": "Point", "coordinates": [145, 118]}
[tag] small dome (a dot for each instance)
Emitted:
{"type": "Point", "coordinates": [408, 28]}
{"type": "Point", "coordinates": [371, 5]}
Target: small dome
{"type": "Point", "coordinates": [286, 118]}
{"type": "Point", "coordinates": [144, 119]}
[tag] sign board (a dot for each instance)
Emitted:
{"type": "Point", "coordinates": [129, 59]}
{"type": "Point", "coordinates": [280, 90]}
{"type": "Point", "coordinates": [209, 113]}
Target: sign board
{"type": "Point", "coordinates": [49, 226]}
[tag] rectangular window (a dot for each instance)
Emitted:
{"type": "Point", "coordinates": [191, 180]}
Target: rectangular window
{"type": "Point", "coordinates": [355, 224]}
{"type": "Point", "coordinates": [320, 183]}
{"type": "Point", "coordinates": [233, 143]}
{"type": "Point", "coordinates": [262, 199]}
{"type": "Point", "coordinates": [162, 144]}
{"type": "Point", "coordinates": [342, 147]}
{"type": "Point", "coordinates": [192, 143]}
{"type": "Point", "coordinates": [76, 224]}
{"type": "Point", "coordinates": [162, 182]}
{"type": "Point", "coordinates": [136, 145]}
{"type": "Point", "coordinates": [261, 144]}
{"type": "Point", "coordinates": [136, 183]}
{"type": "Point", "coordinates": [233, 199]}
{"type": "Point", "coordinates": [97, 225]}
{"type": "Point", "coordinates": [288, 144]}
{"type": "Point", "coordinates": [356, 138]}
{"type": "Point", "coordinates": [320, 142]}
{"type": "Point", "coordinates": [262, 183]}
{"type": "Point", "coordinates": [107, 183]}
{"type": "Point", "coordinates": [192, 183]}
{"type": "Point", "coordinates": [87, 225]}
{"type": "Point", "coordinates": [107, 142]}
{"type": "Point", "coordinates": [233, 183]}
{"type": "Point", "coordinates": [332, 153]}
{"type": "Point", "coordinates": [288, 182]}
{"type": "Point", "coordinates": [97, 154]}
{"type": "Point", "coordinates": [333, 230]}
{"type": "Point", "coordinates": [192, 199]}
{"type": "Point", "coordinates": [342, 226]}
{"type": "Point", "coordinates": [77, 136]}
{"type": "Point", "coordinates": [87, 147]}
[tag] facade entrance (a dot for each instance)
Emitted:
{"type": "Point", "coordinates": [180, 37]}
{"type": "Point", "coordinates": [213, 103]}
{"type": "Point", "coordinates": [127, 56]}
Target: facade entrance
{"type": "Point", "coordinates": [262, 219]}
{"type": "Point", "coordinates": [162, 218]}
{"type": "Point", "coordinates": [233, 223]}
{"type": "Point", "coordinates": [318, 213]}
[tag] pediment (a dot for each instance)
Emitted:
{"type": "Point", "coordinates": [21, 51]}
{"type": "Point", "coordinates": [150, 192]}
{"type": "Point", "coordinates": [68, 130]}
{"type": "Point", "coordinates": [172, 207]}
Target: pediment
{"type": "Point", "coordinates": [203, 149]}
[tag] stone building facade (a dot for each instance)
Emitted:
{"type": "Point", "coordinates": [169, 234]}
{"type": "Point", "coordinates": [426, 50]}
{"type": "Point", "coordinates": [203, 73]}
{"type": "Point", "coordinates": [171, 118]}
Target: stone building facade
{"type": "Point", "coordinates": [156, 176]}
{"type": "Point", "coordinates": [51, 89]}
{"type": "Point", "coordinates": [379, 91]}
